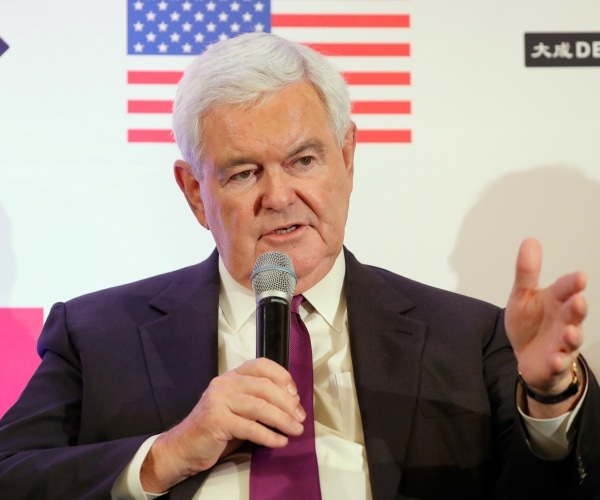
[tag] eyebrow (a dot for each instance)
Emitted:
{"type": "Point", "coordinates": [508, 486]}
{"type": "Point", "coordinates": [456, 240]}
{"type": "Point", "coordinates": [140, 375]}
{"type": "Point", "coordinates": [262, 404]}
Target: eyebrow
{"type": "Point", "coordinates": [309, 145]}
{"type": "Point", "coordinates": [231, 163]}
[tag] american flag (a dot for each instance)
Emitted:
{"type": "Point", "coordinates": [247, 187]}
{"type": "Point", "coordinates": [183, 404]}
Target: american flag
{"type": "Point", "coordinates": [367, 40]}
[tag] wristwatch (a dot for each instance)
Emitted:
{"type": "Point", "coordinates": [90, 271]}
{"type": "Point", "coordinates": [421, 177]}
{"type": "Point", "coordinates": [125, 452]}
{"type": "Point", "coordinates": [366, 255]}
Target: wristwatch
{"type": "Point", "coordinates": [571, 390]}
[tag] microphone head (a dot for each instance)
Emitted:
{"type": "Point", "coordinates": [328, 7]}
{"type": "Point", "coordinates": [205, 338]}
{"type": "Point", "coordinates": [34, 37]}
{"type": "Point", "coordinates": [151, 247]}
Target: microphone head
{"type": "Point", "coordinates": [273, 273]}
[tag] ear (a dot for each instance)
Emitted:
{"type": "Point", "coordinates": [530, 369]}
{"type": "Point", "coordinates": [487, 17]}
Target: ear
{"type": "Point", "coordinates": [349, 147]}
{"type": "Point", "coordinates": [190, 187]}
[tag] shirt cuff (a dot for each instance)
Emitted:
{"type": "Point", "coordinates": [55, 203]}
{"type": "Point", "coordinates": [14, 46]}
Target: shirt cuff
{"type": "Point", "coordinates": [128, 485]}
{"type": "Point", "coordinates": [550, 437]}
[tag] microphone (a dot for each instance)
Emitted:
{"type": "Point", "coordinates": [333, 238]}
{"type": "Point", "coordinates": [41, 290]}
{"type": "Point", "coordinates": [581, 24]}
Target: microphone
{"type": "Point", "coordinates": [273, 280]}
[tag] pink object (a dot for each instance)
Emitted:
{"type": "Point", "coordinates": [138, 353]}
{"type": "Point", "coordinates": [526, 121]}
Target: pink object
{"type": "Point", "coordinates": [19, 330]}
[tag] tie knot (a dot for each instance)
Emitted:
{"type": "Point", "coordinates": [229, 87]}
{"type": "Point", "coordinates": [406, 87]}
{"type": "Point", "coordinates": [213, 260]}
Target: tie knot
{"type": "Point", "coordinates": [296, 301]}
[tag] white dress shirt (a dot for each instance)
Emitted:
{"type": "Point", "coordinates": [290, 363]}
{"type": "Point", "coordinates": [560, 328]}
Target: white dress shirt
{"type": "Point", "coordinates": [339, 439]}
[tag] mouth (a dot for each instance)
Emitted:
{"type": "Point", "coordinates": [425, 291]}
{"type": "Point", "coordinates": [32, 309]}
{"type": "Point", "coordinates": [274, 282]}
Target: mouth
{"type": "Point", "coordinates": [285, 230]}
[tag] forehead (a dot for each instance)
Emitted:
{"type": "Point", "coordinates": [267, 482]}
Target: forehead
{"type": "Point", "coordinates": [289, 116]}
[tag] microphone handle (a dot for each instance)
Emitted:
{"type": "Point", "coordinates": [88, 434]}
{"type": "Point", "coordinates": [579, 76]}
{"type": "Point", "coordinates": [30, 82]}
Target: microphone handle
{"type": "Point", "coordinates": [273, 330]}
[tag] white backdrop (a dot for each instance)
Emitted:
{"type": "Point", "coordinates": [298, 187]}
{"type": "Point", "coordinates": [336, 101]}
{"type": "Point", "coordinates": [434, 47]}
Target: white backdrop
{"type": "Point", "coordinates": [499, 151]}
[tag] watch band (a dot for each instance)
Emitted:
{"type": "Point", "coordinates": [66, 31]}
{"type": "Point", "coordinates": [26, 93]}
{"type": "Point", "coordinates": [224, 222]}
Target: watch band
{"type": "Point", "coordinates": [571, 390]}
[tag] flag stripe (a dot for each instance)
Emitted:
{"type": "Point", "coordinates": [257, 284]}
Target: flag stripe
{"type": "Point", "coordinates": [381, 136]}
{"type": "Point", "coordinates": [377, 78]}
{"type": "Point", "coordinates": [154, 106]}
{"type": "Point", "coordinates": [368, 136]}
{"type": "Point", "coordinates": [358, 107]}
{"type": "Point", "coordinates": [361, 49]}
{"type": "Point", "coordinates": [154, 77]}
{"type": "Point", "coordinates": [339, 21]}
{"type": "Point", "coordinates": [150, 135]}
{"type": "Point", "coordinates": [381, 107]}
{"type": "Point", "coordinates": [352, 77]}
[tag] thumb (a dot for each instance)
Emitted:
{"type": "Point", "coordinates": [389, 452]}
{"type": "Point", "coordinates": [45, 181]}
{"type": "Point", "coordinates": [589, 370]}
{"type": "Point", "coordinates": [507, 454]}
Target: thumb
{"type": "Point", "coordinates": [529, 265]}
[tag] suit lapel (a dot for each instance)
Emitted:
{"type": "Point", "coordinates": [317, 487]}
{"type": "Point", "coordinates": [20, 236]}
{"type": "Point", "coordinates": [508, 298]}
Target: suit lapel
{"type": "Point", "coordinates": [181, 346]}
{"type": "Point", "coordinates": [386, 351]}
{"type": "Point", "coordinates": [182, 355]}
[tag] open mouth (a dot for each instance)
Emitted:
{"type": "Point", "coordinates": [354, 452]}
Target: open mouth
{"type": "Point", "coordinates": [285, 230]}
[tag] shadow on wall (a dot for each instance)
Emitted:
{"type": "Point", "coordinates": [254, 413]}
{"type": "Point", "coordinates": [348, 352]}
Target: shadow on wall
{"type": "Point", "coordinates": [558, 205]}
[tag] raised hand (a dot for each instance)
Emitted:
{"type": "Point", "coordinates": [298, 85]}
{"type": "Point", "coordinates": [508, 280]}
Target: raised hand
{"type": "Point", "coordinates": [544, 325]}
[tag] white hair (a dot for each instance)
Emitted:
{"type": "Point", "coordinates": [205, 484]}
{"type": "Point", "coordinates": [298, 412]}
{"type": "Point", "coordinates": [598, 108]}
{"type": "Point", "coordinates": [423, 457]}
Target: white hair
{"type": "Point", "coordinates": [245, 70]}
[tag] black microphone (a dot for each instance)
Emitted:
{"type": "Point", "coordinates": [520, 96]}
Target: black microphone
{"type": "Point", "coordinates": [273, 280]}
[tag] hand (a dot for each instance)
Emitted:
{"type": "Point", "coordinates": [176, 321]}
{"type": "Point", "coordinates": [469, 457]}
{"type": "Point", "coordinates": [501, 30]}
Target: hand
{"type": "Point", "coordinates": [544, 325]}
{"type": "Point", "coordinates": [238, 405]}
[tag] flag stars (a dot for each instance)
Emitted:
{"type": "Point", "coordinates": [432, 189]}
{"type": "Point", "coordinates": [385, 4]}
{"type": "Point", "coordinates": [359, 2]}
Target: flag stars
{"type": "Point", "coordinates": [183, 26]}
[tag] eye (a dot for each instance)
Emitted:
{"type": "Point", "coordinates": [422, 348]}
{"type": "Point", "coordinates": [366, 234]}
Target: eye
{"type": "Point", "coordinates": [242, 176]}
{"type": "Point", "coordinates": [305, 161]}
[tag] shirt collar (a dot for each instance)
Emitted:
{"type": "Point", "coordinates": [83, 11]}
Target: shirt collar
{"type": "Point", "coordinates": [238, 303]}
{"type": "Point", "coordinates": [327, 297]}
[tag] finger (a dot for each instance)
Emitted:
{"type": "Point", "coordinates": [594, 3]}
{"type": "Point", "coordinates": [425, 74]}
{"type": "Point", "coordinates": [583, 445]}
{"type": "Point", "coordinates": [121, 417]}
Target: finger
{"type": "Point", "coordinates": [572, 338]}
{"type": "Point", "coordinates": [576, 309]}
{"type": "Point", "coordinates": [266, 368]}
{"type": "Point", "coordinates": [569, 285]}
{"type": "Point", "coordinates": [561, 362]}
{"type": "Point", "coordinates": [567, 348]}
{"type": "Point", "coordinates": [253, 394]}
{"type": "Point", "coordinates": [260, 410]}
{"type": "Point", "coordinates": [528, 266]}
{"type": "Point", "coordinates": [263, 390]}
{"type": "Point", "coordinates": [249, 430]}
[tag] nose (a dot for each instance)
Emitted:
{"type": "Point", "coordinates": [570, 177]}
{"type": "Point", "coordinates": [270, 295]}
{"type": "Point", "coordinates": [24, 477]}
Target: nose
{"type": "Point", "coordinates": [277, 189]}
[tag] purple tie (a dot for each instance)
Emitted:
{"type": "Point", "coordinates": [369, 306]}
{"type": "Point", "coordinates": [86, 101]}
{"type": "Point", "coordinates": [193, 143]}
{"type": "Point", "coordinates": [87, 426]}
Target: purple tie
{"type": "Point", "coordinates": [291, 473]}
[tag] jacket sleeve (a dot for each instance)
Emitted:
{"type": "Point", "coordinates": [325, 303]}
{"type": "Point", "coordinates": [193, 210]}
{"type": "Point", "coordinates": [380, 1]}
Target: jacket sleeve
{"type": "Point", "coordinates": [42, 452]}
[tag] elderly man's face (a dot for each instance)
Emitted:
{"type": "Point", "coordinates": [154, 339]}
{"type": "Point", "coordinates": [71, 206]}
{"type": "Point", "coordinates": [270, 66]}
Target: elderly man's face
{"type": "Point", "coordinates": [274, 180]}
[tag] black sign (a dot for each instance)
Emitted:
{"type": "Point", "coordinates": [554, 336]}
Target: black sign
{"type": "Point", "coordinates": [562, 49]}
{"type": "Point", "coordinates": [3, 46]}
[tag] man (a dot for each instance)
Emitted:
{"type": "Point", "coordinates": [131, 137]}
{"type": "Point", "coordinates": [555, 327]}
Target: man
{"type": "Point", "coordinates": [153, 388]}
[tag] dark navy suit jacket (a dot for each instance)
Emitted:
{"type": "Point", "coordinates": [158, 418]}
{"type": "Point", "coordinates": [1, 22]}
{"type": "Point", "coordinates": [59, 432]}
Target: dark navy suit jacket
{"type": "Point", "coordinates": [435, 378]}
